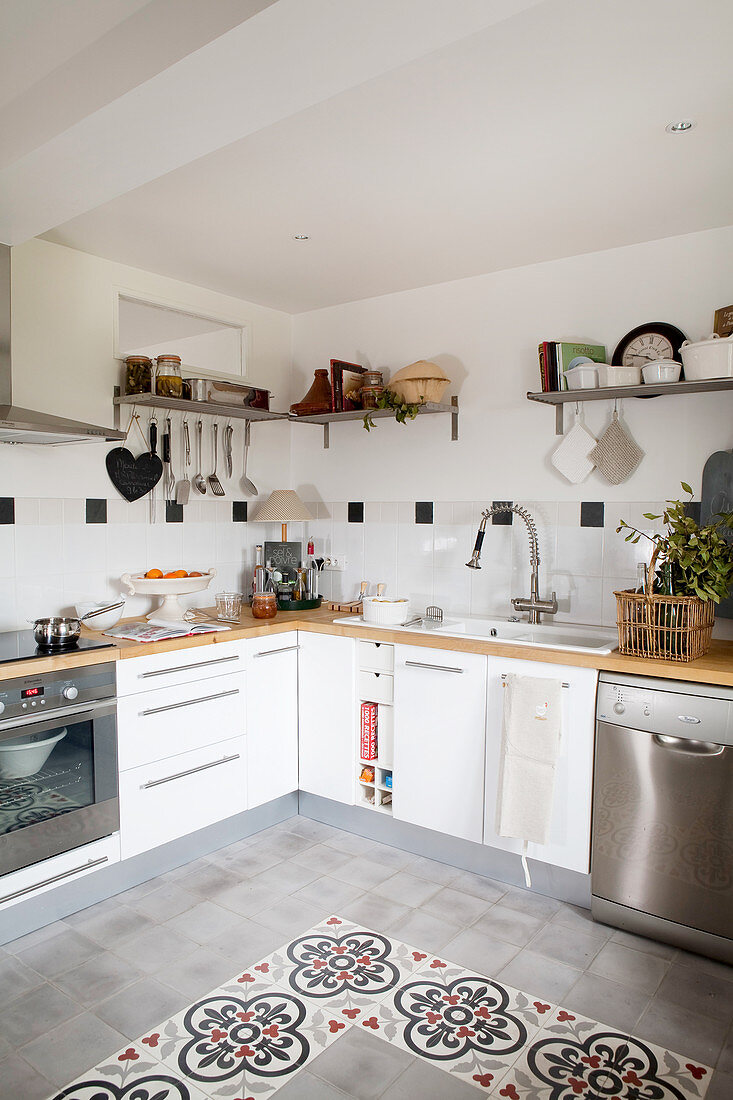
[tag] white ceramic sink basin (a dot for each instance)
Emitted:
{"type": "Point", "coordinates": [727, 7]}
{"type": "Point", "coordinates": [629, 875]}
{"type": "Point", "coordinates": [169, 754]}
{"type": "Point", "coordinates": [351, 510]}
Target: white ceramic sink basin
{"type": "Point", "coordinates": [577, 639]}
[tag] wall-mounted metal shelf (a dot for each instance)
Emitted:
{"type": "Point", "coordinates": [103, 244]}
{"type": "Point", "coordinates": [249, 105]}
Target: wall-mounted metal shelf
{"type": "Point", "coordinates": [559, 398]}
{"type": "Point", "coordinates": [195, 408]}
{"type": "Point", "coordinates": [430, 407]}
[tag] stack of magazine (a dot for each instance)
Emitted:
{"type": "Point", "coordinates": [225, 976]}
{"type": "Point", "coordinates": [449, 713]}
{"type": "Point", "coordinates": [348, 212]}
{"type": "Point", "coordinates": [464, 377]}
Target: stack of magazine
{"type": "Point", "coordinates": [556, 357]}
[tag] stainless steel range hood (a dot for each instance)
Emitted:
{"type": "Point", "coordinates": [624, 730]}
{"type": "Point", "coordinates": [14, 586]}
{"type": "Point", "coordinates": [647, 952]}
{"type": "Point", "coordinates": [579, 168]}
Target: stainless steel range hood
{"type": "Point", "coordinates": [24, 425]}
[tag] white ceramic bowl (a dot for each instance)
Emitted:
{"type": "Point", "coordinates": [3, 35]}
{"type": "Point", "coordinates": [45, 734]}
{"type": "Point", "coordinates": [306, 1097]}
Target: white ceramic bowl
{"type": "Point", "coordinates": [169, 589]}
{"type": "Point", "coordinates": [662, 370]}
{"type": "Point", "coordinates": [609, 375]}
{"type": "Point", "coordinates": [100, 622]}
{"type": "Point", "coordinates": [385, 612]}
{"type": "Point", "coordinates": [582, 377]}
{"type": "Point", "coordinates": [21, 758]}
{"type": "Point", "coordinates": [711, 358]}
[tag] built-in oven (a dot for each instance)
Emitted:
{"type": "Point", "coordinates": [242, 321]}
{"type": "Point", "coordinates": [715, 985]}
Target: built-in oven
{"type": "Point", "coordinates": [58, 763]}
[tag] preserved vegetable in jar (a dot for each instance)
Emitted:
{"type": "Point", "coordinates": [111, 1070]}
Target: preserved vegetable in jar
{"type": "Point", "coordinates": [138, 374]}
{"type": "Point", "coordinates": [168, 381]}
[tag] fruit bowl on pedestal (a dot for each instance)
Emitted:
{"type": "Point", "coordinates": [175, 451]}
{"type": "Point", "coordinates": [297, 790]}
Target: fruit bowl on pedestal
{"type": "Point", "coordinates": [169, 589]}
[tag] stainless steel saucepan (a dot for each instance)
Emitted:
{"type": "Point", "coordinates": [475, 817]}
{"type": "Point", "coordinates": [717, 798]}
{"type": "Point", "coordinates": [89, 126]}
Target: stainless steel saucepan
{"type": "Point", "coordinates": [60, 631]}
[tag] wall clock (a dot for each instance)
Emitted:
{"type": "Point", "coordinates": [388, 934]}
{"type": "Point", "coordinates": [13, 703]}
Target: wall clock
{"type": "Point", "coordinates": [654, 340]}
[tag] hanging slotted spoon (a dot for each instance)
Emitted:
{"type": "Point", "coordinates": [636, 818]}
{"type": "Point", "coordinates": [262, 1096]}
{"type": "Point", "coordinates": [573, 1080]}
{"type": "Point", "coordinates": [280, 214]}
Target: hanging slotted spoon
{"type": "Point", "coordinates": [198, 480]}
{"type": "Point", "coordinates": [183, 488]}
{"type": "Point", "coordinates": [214, 484]}
{"type": "Point", "coordinates": [247, 485]}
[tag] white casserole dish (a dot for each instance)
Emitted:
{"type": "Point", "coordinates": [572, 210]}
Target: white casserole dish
{"type": "Point", "coordinates": [385, 612]}
{"type": "Point", "coordinates": [21, 758]}
{"type": "Point", "coordinates": [709, 358]}
{"type": "Point", "coordinates": [609, 375]}
{"type": "Point", "coordinates": [582, 377]}
{"type": "Point", "coordinates": [662, 370]}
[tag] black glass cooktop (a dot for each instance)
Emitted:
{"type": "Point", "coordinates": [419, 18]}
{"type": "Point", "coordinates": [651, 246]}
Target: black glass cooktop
{"type": "Point", "coordinates": [20, 645]}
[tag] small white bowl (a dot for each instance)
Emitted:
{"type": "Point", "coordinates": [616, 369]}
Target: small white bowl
{"type": "Point", "coordinates": [582, 377]}
{"type": "Point", "coordinates": [609, 375]}
{"type": "Point", "coordinates": [21, 758]}
{"type": "Point", "coordinates": [100, 622]}
{"type": "Point", "coordinates": [662, 370]}
{"type": "Point", "coordinates": [385, 612]}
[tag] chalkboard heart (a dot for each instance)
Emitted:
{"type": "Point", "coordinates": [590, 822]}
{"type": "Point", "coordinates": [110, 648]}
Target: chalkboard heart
{"type": "Point", "coordinates": [133, 477]}
{"type": "Point", "coordinates": [717, 496]}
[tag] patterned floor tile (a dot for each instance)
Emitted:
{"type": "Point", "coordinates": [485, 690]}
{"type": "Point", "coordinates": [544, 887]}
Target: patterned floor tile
{"type": "Point", "coordinates": [573, 1057]}
{"type": "Point", "coordinates": [132, 1074]}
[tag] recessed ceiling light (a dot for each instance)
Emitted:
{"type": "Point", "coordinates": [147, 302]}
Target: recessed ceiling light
{"type": "Point", "coordinates": [301, 237]}
{"type": "Point", "coordinates": [680, 127]}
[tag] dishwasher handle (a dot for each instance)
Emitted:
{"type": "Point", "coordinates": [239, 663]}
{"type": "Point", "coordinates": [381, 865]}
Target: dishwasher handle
{"type": "Point", "coordinates": [686, 746]}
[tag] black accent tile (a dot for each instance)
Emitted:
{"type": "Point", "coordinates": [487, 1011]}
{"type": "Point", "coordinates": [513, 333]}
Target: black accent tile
{"type": "Point", "coordinates": [7, 509]}
{"type": "Point", "coordinates": [692, 510]}
{"type": "Point", "coordinates": [355, 511]}
{"type": "Point", "coordinates": [424, 511]}
{"type": "Point", "coordinates": [239, 511]}
{"type": "Point", "coordinates": [502, 519]}
{"type": "Point", "coordinates": [96, 510]}
{"type": "Point", "coordinates": [173, 512]}
{"type": "Point", "coordinates": [592, 513]}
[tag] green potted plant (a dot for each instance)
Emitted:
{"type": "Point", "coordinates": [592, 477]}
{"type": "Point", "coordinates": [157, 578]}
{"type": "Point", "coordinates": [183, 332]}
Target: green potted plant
{"type": "Point", "coordinates": [403, 410]}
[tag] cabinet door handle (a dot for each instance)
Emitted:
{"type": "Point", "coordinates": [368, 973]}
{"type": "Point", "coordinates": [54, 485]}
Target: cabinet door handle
{"type": "Point", "coordinates": [436, 668]}
{"type": "Point", "coordinates": [189, 771]}
{"type": "Point", "coordinates": [188, 703]}
{"type": "Point", "coordinates": [54, 878]}
{"type": "Point", "coordinates": [187, 668]}
{"type": "Point", "coordinates": [269, 652]}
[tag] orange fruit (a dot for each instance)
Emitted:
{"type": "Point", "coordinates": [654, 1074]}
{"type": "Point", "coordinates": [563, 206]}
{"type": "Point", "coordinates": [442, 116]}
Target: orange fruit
{"type": "Point", "coordinates": [177, 574]}
{"type": "Point", "coordinates": [153, 574]}
{"type": "Point", "coordinates": [195, 574]}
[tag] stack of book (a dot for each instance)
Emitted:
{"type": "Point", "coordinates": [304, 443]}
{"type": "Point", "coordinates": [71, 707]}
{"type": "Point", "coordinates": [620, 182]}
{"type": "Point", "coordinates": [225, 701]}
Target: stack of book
{"type": "Point", "coordinates": [556, 357]}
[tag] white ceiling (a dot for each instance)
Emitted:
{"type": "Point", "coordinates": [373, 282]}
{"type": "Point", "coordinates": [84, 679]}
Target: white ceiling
{"type": "Point", "coordinates": [415, 142]}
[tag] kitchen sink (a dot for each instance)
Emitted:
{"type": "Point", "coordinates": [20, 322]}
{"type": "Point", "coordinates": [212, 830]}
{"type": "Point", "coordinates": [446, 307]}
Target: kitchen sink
{"type": "Point", "coordinates": [577, 639]}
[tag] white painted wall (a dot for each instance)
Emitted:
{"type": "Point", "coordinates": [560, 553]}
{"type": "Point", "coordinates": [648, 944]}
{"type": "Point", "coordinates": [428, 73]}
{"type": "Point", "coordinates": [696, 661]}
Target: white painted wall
{"type": "Point", "coordinates": [484, 331]}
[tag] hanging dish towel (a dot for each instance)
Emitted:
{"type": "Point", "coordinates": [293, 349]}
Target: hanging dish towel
{"type": "Point", "coordinates": [616, 454]}
{"type": "Point", "coordinates": [571, 458]}
{"type": "Point", "coordinates": [531, 734]}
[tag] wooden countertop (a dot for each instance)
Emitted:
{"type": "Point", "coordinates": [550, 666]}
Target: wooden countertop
{"type": "Point", "coordinates": [716, 667]}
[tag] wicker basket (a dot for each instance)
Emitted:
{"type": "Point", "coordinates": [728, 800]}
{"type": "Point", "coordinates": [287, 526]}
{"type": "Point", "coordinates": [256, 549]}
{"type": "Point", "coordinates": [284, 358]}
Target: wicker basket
{"type": "Point", "coordinates": [669, 628]}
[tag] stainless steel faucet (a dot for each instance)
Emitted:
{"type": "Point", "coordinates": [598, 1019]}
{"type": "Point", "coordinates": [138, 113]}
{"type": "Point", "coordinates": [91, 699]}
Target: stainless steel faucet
{"type": "Point", "coordinates": [534, 605]}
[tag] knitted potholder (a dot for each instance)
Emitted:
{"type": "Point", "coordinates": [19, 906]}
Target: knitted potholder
{"type": "Point", "coordinates": [616, 454]}
{"type": "Point", "coordinates": [571, 457]}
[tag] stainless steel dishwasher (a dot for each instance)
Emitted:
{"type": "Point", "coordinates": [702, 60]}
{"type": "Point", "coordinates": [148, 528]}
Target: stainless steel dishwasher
{"type": "Point", "coordinates": [662, 835]}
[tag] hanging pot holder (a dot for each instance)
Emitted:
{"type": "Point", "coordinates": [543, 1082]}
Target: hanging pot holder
{"type": "Point", "coordinates": [616, 454]}
{"type": "Point", "coordinates": [571, 457]}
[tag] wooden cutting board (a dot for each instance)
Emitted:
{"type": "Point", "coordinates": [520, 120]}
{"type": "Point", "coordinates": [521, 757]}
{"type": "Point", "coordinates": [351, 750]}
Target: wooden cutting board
{"type": "Point", "coordinates": [717, 496]}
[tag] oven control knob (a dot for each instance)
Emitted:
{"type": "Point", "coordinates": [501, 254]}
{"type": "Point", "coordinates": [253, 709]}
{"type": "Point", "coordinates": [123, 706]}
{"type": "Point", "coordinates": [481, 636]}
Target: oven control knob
{"type": "Point", "coordinates": [619, 708]}
{"type": "Point", "coordinates": [70, 692]}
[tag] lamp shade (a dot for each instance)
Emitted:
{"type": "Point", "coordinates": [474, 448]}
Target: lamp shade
{"type": "Point", "coordinates": [282, 506]}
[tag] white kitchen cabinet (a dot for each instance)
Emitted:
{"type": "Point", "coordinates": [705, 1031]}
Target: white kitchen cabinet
{"type": "Point", "coordinates": [272, 717]}
{"type": "Point", "coordinates": [569, 843]}
{"type": "Point", "coordinates": [439, 738]}
{"type": "Point", "coordinates": [328, 715]}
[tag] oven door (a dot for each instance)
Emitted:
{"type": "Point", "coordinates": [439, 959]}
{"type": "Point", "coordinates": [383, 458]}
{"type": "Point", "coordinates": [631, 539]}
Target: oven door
{"type": "Point", "coordinates": [58, 783]}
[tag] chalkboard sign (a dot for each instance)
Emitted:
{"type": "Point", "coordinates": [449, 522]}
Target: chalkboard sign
{"type": "Point", "coordinates": [285, 557]}
{"type": "Point", "coordinates": [133, 477]}
{"type": "Point", "coordinates": [717, 496]}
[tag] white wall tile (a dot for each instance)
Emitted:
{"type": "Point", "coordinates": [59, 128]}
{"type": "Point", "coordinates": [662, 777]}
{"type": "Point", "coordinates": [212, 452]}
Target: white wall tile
{"type": "Point", "coordinates": [491, 592]}
{"type": "Point", "coordinates": [372, 512]}
{"type": "Point", "coordinates": [580, 551]}
{"type": "Point", "coordinates": [443, 512]}
{"type": "Point", "coordinates": [452, 546]}
{"type": "Point", "coordinates": [74, 510]}
{"type": "Point", "coordinates": [27, 510]}
{"type": "Point", "coordinates": [38, 550]}
{"type": "Point", "coordinates": [7, 550]}
{"type": "Point", "coordinates": [568, 513]}
{"type": "Point", "coordinates": [463, 512]}
{"type": "Point", "coordinates": [51, 511]}
{"type": "Point", "coordinates": [9, 618]}
{"type": "Point", "coordinates": [389, 512]}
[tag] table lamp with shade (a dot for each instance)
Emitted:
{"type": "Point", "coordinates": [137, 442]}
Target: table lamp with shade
{"type": "Point", "coordinates": [283, 506]}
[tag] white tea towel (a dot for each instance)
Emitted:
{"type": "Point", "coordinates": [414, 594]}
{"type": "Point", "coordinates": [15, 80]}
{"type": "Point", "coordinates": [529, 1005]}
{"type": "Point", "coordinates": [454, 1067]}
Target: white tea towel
{"type": "Point", "coordinates": [531, 732]}
{"type": "Point", "coordinates": [616, 454]}
{"type": "Point", "coordinates": [571, 458]}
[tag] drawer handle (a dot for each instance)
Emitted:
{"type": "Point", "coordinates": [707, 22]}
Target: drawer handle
{"type": "Point", "coordinates": [190, 771]}
{"type": "Point", "coordinates": [187, 668]}
{"type": "Point", "coordinates": [436, 668]}
{"type": "Point", "coordinates": [188, 703]}
{"type": "Point", "coordinates": [54, 878]}
{"type": "Point", "coordinates": [269, 652]}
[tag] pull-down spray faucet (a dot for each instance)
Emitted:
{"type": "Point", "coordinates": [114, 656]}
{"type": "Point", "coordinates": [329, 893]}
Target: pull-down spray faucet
{"type": "Point", "coordinates": [534, 605]}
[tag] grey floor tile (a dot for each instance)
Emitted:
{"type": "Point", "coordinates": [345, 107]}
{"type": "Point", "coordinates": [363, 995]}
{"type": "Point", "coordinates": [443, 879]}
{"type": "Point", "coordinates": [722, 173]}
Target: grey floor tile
{"type": "Point", "coordinates": [574, 947]}
{"type": "Point", "coordinates": [633, 968]}
{"type": "Point", "coordinates": [323, 858]}
{"type": "Point", "coordinates": [405, 888]}
{"type": "Point", "coordinates": [725, 1060]}
{"type": "Point", "coordinates": [697, 991]}
{"type": "Point", "coordinates": [677, 1029]}
{"type": "Point", "coordinates": [707, 966]}
{"type": "Point", "coordinates": [33, 938]}
{"type": "Point", "coordinates": [579, 919]}
{"type": "Point", "coordinates": [528, 901]}
{"type": "Point", "coordinates": [350, 842]}
{"type": "Point", "coordinates": [421, 1081]}
{"type": "Point", "coordinates": [641, 943]}
{"type": "Point", "coordinates": [509, 924]}
{"type": "Point", "coordinates": [6, 1048]}
{"type": "Point", "coordinates": [286, 877]}
{"type": "Point", "coordinates": [310, 828]}
{"type": "Point", "coordinates": [167, 901]}
{"type": "Point", "coordinates": [20, 1081]}
{"type": "Point", "coordinates": [327, 891]}
{"type": "Point", "coordinates": [360, 1065]}
{"type": "Point", "coordinates": [31, 1015]}
{"type": "Point", "coordinates": [605, 1001]}
{"type": "Point", "coordinates": [373, 911]}
{"type": "Point", "coordinates": [288, 844]}
{"type": "Point", "coordinates": [362, 871]}
{"type": "Point", "coordinates": [197, 974]}
{"type": "Point", "coordinates": [455, 906]}
{"type": "Point", "coordinates": [423, 930]}
{"type": "Point", "coordinates": [74, 1047]}
{"type": "Point", "coordinates": [247, 943]}
{"type": "Point", "coordinates": [485, 888]}
{"type": "Point", "coordinates": [61, 952]}
{"type": "Point", "coordinates": [16, 978]}
{"type": "Point", "coordinates": [249, 897]}
{"type": "Point", "coordinates": [545, 978]}
{"type": "Point", "coordinates": [304, 1086]}
{"type": "Point", "coordinates": [135, 893]}
{"type": "Point", "coordinates": [721, 1087]}
{"type": "Point", "coordinates": [204, 921]}
{"type": "Point", "coordinates": [208, 881]}
{"type": "Point", "coordinates": [478, 952]}
{"type": "Point", "coordinates": [157, 947]}
{"type": "Point", "coordinates": [433, 871]}
{"type": "Point", "coordinates": [139, 1007]}
{"type": "Point", "coordinates": [388, 856]}
{"type": "Point", "coordinates": [245, 862]}
{"type": "Point", "coordinates": [112, 925]}
{"type": "Point", "coordinates": [97, 979]}
{"type": "Point", "coordinates": [291, 917]}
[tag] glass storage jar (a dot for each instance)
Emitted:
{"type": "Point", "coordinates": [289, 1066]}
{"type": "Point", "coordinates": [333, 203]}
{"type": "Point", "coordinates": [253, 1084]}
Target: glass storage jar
{"type": "Point", "coordinates": [168, 381]}
{"type": "Point", "coordinates": [264, 605]}
{"type": "Point", "coordinates": [138, 374]}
